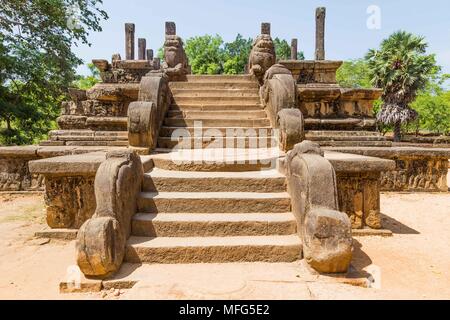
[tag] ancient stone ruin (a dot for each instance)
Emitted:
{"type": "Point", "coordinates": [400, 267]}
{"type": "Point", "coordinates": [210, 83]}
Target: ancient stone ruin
{"type": "Point", "coordinates": [156, 165]}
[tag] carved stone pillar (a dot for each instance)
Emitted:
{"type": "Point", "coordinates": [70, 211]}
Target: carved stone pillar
{"type": "Point", "coordinates": [142, 47]}
{"type": "Point", "coordinates": [129, 41]}
{"type": "Point", "coordinates": [320, 33]}
{"type": "Point", "coordinates": [294, 48]}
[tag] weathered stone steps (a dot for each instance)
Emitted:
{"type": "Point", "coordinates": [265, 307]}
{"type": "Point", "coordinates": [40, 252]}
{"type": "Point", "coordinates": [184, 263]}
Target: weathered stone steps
{"type": "Point", "coordinates": [266, 181]}
{"type": "Point", "coordinates": [221, 78]}
{"type": "Point", "coordinates": [213, 225]}
{"type": "Point", "coordinates": [335, 133]}
{"type": "Point", "coordinates": [167, 131]}
{"type": "Point", "coordinates": [215, 122]}
{"type": "Point", "coordinates": [214, 93]}
{"type": "Point", "coordinates": [214, 160]}
{"type": "Point", "coordinates": [218, 114]}
{"type": "Point", "coordinates": [215, 99]}
{"type": "Point", "coordinates": [213, 249]}
{"type": "Point", "coordinates": [238, 142]}
{"type": "Point", "coordinates": [215, 107]}
{"type": "Point", "coordinates": [345, 138]}
{"type": "Point", "coordinates": [214, 85]}
{"type": "Point", "coordinates": [354, 143]}
{"type": "Point", "coordinates": [212, 202]}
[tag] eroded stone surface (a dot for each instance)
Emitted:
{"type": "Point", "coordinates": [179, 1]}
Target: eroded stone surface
{"type": "Point", "coordinates": [326, 233]}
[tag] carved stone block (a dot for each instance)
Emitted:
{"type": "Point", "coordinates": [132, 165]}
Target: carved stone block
{"type": "Point", "coordinates": [70, 201]}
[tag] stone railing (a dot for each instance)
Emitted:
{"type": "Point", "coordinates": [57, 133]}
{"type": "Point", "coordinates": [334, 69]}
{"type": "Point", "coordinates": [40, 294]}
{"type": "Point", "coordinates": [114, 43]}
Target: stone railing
{"type": "Point", "coordinates": [279, 97]}
{"type": "Point", "coordinates": [101, 240]}
{"type": "Point", "coordinates": [325, 231]}
{"type": "Point", "coordinates": [262, 55]}
{"type": "Point", "coordinates": [146, 115]}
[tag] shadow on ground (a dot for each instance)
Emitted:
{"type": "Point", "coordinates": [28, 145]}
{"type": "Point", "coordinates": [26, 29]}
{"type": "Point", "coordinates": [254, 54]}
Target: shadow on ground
{"type": "Point", "coordinates": [396, 226]}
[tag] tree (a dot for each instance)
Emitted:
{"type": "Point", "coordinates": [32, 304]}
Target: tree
{"type": "Point", "coordinates": [433, 107]}
{"type": "Point", "coordinates": [401, 68]}
{"type": "Point", "coordinates": [283, 50]}
{"type": "Point", "coordinates": [205, 54]}
{"type": "Point", "coordinates": [36, 61]}
{"type": "Point", "coordinates": [87, 82]}
{"type": "Point", "coordinates": [236, 55]}
{"type": "Point", "coordinates": [354, 74]}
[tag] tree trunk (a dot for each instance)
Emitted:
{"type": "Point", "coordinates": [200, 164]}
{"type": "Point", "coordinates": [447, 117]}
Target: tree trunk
{"type": "Point", "coordinates": [397, 132]}
{"type": "Point", "coordinates": [8, 123]}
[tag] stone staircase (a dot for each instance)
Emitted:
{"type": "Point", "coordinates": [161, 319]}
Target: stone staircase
{"type": "Point", "coordinates": [232, 208]}
{"type": "Point", "coordinates": [332, 138]}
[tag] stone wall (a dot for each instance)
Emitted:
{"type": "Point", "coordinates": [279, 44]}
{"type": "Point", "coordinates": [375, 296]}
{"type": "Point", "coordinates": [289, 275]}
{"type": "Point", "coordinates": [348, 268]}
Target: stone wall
{"type": "Point", "coordinates": [412, 174]}
{"type": "Point", "coordinates": [359, 197]}
{"type": "Point", "coordinates": [70, 201]}
{"type": "Point", "coordinates": [15, 176]}
{"type": "Point", "coordinates": [417, 169]}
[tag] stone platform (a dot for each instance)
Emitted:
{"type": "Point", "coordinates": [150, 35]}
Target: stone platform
{"type": "Point", "coordinates": [14, 172]}
{"type": "Point", "coordinates": [417, 169]}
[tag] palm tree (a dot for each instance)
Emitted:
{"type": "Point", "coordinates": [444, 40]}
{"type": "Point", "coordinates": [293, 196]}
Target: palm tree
{"type": "Point", "coordinates": [401, 68]}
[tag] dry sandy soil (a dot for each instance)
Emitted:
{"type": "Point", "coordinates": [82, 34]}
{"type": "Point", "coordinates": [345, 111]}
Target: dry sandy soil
{"type": "Point", "coordinates": [413, 264]}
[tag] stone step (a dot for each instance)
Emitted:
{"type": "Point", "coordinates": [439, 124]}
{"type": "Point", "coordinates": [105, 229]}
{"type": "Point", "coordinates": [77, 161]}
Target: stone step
{"type": "Point", "coordinates": [339, 124]}
{"type": "Point", "coordinates": [219, 142]}
{"type": "Point", "coordinates": [266, 181]}
{"type": "Point", "coordinates": [94, 138]}
{"type": "Point", "coordinates": [217, 122]}
{"type": "Point", "coordinates": [107, 123]}
{"type": "Point", "coordinates": [206, 93]}
{"type": "Point", "coordinates": [88, 134]}
{"type": "Point", "coordinates": [214, 160]}
{"type": "Point", "coordinates": [114, 92]}
{"type": "Point", "coordinates": [216, 107]}
{"type": "Point", "coordinates": [213, 202]}
{"type": "Point", "coordinates": [221, 78]}
{"type": "Point", "coordinates": [213, 225]}
{"type": "Point", "coordinates": [345, 138]}
{"type": "Point", "coordinates": [215, 99]}
{"type": "Point", "coordinates": [213, 249]}
{"type": "Point", "coordinates": [215, 85]}
{"type": "Point", "coordinates": [115, 143]}
{"type": "Point", "coordinates": [334, 133]}
{"type": "Point", "coordinates": [355, 143]}
{"type": "Point", "coordinates": [219, 114]}
{"type": "Point", "coordinates": [226, 131]}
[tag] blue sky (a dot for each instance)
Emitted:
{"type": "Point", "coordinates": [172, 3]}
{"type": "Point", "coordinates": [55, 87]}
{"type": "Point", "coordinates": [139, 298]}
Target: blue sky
{"type": "Point", "coordinates": [347, 34]}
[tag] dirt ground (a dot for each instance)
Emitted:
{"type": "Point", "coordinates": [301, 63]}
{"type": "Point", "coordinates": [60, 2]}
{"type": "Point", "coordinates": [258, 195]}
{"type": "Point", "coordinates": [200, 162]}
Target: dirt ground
{"type": "Point", "coordinates": [413, 264]}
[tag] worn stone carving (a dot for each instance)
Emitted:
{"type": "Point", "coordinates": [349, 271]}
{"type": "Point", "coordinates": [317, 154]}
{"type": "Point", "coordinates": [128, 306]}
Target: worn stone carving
{"type": "Point", "coordinates": [101, 240]}
{"type": "Point", "coordinates": [145, 116]}
{"type": "Point", "coordinates": [326, 232]}
{"type": "Point", "coordinates": [15, 176]}
{"type": "Point", "coordinates": [359, 198]}
{"type": "Point", "coordinates": [176, 64]}
{"type": "Point", "coordinates": [412, 175]}
{"type": "Point", "coordinates": [122, 71]}
{"type": "Point", "coordinates": [70, 201]}
{"type": "Point", "coordinates": [262, 55]}
{"type": "Point", "coordinates": [291, 128]}
{"type": "Point", "coordinates": [279, 94]}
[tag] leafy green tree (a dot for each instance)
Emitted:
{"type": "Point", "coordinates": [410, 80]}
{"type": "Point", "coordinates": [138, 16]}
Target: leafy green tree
{"type": "Point", "coordinates": [433, 107]}
{"type": "Point", "coordinates": [236, 55]}
{"type": "Point", "coordinates": [401, 68]}
{"type": "Point", "coordinates": [87, 82]}
{"type": "Point", "coordinates": [36, 61]}
{"type": "Point", "coordinates": [283, 50]}
{"type": "Point", "coordinates": [206, 54]}
{"type": "Point", "coordinates": [354, 74]}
